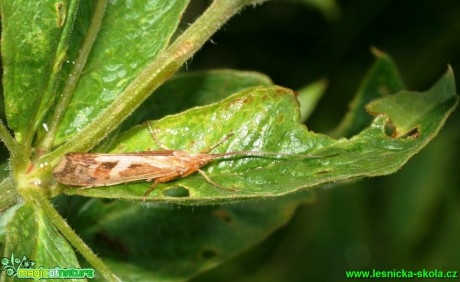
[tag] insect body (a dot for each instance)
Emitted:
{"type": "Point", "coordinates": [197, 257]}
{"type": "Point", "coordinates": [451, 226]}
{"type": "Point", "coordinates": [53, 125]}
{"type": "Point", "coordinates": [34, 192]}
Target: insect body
{"type": "Point", "coordinates": [94, 170]}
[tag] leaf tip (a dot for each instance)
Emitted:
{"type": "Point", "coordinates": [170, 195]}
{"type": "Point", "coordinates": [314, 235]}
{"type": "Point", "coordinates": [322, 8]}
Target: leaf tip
{"type": "Point", "coordinates": [377, 52]}
{"type": "Point", "coordinates": [446, 83]}
{"type": "Point", "coordinates": [450, 70]}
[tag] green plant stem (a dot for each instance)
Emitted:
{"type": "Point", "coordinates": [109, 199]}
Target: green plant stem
{"type": "Point", "coordinates": [155, 74]}
{"type": "Point", "coordinates": [8, 140]}
{"type": "Point", "coordinates": [38, 198]}
{"type": "Point", "coordinates": [17, 157]}
{"type": "Point", "coordinates": [69, 88]}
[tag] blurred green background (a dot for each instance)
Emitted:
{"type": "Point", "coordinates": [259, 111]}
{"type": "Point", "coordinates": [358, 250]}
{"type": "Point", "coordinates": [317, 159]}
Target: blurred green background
{"type": "Point", "coordinates": [408, 220]}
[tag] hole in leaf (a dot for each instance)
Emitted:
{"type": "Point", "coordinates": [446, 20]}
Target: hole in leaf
{"type": "Point", "coordinates": [413, 134]}
{"type": "Point", "coordinates": [208, 254]}
{"type": "Point", "coordinates": [222, 214]}
{"type": "Point", "coordinates": [178, 192]}
{"type": "Point", "coordinates": [390, 130]}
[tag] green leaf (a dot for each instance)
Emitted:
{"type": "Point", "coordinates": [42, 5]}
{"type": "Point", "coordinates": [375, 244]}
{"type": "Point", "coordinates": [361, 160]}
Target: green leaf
{"type": "Point", "coordinates": [381, 80]}
{"type": "Point", "coordinates": [9, 194]}
{"type": "Point", "coordinates": [32, 54]}
{"type": "Point", "coordinates": [30, 233]}
{"type": "Point", "coordinates": [5, 218]}
{"type": "Point", "coordinates": [132, 34]}
{"type": "Point", "coordinates": [266, 119]}
{"type": "Point", "coordinates": [165, 242]}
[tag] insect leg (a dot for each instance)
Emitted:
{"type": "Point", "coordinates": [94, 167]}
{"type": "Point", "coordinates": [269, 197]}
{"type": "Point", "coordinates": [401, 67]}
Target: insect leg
{"type": "Point", "coordinates": [155, 183]}
{"type": "Point", "coordinates": [207, 150]}
{"type": "Point", "coordinates": [152, 132]}
{"type": "Point", "coordinates": [214, 183]}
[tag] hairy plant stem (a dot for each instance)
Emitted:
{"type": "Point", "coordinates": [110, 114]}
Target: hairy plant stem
{"type": "Point", "coordinates": [155, 74]}
{"type": "Point", "coordinates": [71, 84]}
{"type": "Point", "coordinates": [8, 140]}
{"type": "Point", "coordinates": [18, 158]}
{"type": "Point", "coordinates": [42, 201]}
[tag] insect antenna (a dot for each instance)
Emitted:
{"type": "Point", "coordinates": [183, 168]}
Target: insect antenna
{"type": "Point", "coordinates": [257, 153]}
{"type": "Point", "coordinates": [205, 151]}
{"type": "Point", "coordinates": [154, 136]}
